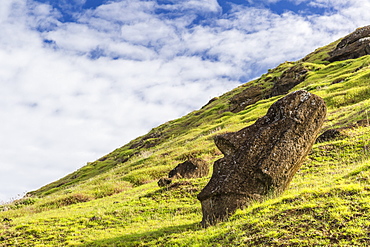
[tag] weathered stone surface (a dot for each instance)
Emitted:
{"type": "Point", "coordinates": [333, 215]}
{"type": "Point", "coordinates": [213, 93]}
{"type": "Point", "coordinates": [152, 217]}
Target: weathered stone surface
{"type": "Point", "coordinates": [329, 135]}
{"type": "Point", "coordinates": [247, 97]}
{"type": "Point", "coordinates": [289, 79]}
{"type": "Point", "coordinates": [163, 182]}
{"type": "Point", "coordinates": [149, 140]}
{"type": "Point", "coordinates": [354, 45]}
{"type": "Point", "coordinates": [281, 85]}
{"type": "Point", "coordinates": [261, 160]}
{"type": "Point", "coordinates": [192, 168]}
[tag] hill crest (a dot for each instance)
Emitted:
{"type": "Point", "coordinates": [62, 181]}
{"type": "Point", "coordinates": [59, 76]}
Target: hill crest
{"type": "Point", "coordinates": [276, 82]}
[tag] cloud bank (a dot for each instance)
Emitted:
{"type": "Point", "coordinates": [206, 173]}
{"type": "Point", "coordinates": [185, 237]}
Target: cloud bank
{"type": "Point", "coordinates": [72, 91]}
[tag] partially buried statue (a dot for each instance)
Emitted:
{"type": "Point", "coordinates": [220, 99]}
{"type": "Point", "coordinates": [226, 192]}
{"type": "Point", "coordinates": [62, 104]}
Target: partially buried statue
{"type": "Point", "coordinates": [260, 160]}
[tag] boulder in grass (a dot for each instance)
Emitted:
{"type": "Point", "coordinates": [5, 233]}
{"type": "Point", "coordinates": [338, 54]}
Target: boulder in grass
{"type": "Point", "coordinates": [354, 45]}
{"type": "Point", "coordinates": [260, 160]}
{"type": "Point", "coordinates": [192, 168]}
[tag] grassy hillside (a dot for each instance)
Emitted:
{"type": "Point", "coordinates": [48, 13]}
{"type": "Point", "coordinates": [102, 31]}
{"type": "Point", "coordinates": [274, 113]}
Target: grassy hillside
{"type": "Point", "coordinates": [115, 201]}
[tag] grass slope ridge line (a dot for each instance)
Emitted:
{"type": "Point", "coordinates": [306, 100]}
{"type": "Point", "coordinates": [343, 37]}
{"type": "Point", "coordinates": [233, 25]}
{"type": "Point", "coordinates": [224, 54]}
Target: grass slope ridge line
{"type": "Point", "coordinates": [115, 200]}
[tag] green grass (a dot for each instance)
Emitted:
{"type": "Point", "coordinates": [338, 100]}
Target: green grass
{"type": "Point", "coordinates": [115, 201]}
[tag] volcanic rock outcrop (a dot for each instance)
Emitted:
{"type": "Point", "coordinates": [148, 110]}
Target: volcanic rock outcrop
{"type": "Point", "coordinates": [281, 85]}
{"type": "Point", "coordinates": [288, 80]}
{"type": "Point", "coordinates": [330, 135]}
{"type": "Point", "coordinates": [260, 160]}
{"type": "Point", "coordinates": [192, 168]}
{"type": "Point", "coordinates": [354, 45]}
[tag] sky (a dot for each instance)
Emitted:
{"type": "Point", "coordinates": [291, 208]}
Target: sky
{"type": "Point", "coordinates": [80, 78]}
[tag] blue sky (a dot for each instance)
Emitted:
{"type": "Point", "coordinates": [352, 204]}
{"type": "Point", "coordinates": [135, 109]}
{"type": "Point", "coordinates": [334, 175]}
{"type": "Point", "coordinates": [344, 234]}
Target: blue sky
{"type": "Point", "coordinates": [81, 78]}
{"type": "Point", "coordinates": [68, 9]}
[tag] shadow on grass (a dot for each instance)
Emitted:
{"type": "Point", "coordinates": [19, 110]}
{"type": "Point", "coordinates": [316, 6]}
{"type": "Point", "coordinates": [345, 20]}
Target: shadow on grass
{"type": "Point", "coordinates": [158, 237]}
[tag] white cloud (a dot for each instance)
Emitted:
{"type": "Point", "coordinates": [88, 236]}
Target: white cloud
{"type": "Point", "coordinates": [145, 34]}
{"type": "Point", "coordinates": [72, 92]}
{"type": "Point", "coordinates": [123, 12]}
{"type": "Point", "coordinates": [204, 7]}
